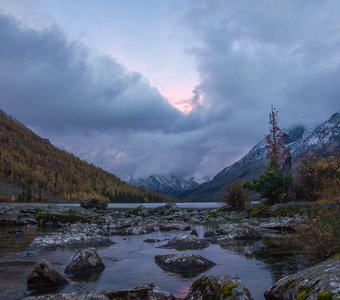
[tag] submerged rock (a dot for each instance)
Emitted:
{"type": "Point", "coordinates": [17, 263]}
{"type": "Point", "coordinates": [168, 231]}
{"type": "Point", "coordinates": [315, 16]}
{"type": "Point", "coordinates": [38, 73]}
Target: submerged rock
{"type": "Point", "coordinates": [85, 261]}
{"type": "Point", "coordinates": [147, 291]}
{"type": "Point", "coordinates": [151, 241]}
{"type": "Point", "coordinates": [219, 288]}
{"type": "Point", "coordinates": [183, 263]}
{"type": "Point", "coordinates": [186, 242]}
{"type": "Point", "coordinates": [321, 282]}
{"type": "Point", "coordinates": [44, 277]}
{"type": "Point", "coordinates": [90, 203]}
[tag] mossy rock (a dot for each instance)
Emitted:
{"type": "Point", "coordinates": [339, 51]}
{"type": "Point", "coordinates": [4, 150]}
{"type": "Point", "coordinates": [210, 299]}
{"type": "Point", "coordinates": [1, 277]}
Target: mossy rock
{"type": "Point", "coordinates": [326, 296]}
{"type": "Point", "coordinates": [317, 282]}
{"type": "Point", "coordinates": [218, 287]}
{"type": "Point", "coordinates": [61, 218]}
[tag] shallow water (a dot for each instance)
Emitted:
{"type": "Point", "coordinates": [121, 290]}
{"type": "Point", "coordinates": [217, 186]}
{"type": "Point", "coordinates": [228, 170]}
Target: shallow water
{"type": "Point", "coordinates": [131, 262]}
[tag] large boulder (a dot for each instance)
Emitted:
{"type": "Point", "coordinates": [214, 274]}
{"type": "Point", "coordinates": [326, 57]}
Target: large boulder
{"type": "Point", "coordinates": [320, 282]}
{"type": "Point", "coordinates": [92, 203]}
{"type": "Point", "coordinates": [147, 291]}
{"type": "Point", "coordinates": [219, 288]}
{"type": "Point", "coordinates": [186, 242]}
{"type": "Point", "coordinates": [85, 261]}
{"type": "Point", "coordinates": [183, 263]}
{"type": "Point", "coordinates": [44, 277]}
{"type": "Point", "coordinates": [142, 292]}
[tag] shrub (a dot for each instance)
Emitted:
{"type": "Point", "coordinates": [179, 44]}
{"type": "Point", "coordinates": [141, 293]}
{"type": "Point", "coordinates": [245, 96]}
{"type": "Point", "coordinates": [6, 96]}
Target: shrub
{"type": "Point", "coordinates": [273, 184]}
{"type": "Point", "coordinates": [318, 178]}
{"type": "Point", "coordinates": [319, 235]}
{"type": "Point", "coordinates": [236, 196]}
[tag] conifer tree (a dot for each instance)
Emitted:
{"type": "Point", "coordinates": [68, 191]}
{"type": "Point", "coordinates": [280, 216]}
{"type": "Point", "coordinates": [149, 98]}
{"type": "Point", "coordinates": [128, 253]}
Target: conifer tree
{"type": "Point", "coordinates": [274, 185]}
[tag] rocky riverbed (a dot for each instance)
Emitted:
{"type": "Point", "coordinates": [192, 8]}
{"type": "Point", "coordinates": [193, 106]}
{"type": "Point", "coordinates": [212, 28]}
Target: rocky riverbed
{"type": "Point", "coordinates": [157, 245]}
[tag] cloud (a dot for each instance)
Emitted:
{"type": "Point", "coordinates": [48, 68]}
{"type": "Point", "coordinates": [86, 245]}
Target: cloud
{"type": "Point", "coordinates": [248, 57]}
{"type": "Point", "coordinates": [251, 56]}
{"type": "Point", "coordinates": [69, 87]}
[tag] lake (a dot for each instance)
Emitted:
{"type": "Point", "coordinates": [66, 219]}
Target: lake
{"type": "Point", "coordinates": [130, 262]}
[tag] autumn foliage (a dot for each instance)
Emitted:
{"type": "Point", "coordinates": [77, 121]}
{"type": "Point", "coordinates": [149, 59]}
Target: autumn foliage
{"type": "Point", "coordinates": [277, 150]}
{"type": "Point", "coordinates": [318, 178]}
{"type": "Point", "coordinates": [237, 196]}
{"type": "Point", "coordinates": [43, 171]}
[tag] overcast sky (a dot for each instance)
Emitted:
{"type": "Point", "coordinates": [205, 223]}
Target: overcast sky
{"type": "Point", "coordinates": [171, 86]}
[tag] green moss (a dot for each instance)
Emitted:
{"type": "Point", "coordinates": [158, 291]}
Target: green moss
{"type": "Point", "coordinates": [54, 218]}
{"type": "Point", "coordinates": [258, 211]}
{"type": "Point", "coordinates": [227, 289]}
{"type": "Point", "coordinates": [325, 296]}
{"type": "Point", "coordinates": [336, 256]}
{"type": "Point", "coordinates": [290, 284]}
{"type": "Point", "coordinates": [303, 292]}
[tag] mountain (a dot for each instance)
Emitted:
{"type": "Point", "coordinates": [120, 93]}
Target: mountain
{"type": "Point", "coordinates": [31, 168]}
{"type": "Point", "coordinates": [324, 139]}
{"type": "Point", "coordinates": [170, 185]}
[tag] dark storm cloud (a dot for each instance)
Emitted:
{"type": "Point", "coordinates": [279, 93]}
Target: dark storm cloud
{"type": "Point", "coordinates": [284, 53]}
{"type": "Point", "coordinates": [47, 81]}
{"type": "Point", "coordinates": [249, 56]}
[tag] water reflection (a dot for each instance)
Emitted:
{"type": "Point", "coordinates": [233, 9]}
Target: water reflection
{"type": "Point", "coordinates": [130, 262]}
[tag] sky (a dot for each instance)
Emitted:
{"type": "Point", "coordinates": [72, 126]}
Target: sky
{"type": "Point", "coordinates": [179, 87]}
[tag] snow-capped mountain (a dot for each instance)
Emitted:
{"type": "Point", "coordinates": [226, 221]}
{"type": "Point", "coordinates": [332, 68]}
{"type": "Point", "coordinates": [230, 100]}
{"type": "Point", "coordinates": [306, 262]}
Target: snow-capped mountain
{"type": "Point", "coordinates": [169, 185]}
{"type": "Point", "coordinates": [323, 139]}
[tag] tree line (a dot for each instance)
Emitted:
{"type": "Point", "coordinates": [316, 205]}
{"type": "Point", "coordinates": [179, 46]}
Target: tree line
{"type": "Point", "coordinates": [43, 171]}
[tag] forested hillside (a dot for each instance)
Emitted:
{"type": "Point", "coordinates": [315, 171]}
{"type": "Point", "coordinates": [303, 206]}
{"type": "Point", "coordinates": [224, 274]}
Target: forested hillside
{"type": "Point", "coordinates": [42, 171]}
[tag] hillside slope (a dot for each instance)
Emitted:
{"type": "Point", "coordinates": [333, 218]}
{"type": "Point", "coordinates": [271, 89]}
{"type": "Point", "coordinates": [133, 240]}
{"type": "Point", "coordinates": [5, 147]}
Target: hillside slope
{"type": "Point", "coordinates": [31, 168]}
{"type": "Point", "coordinates": [324, 139]}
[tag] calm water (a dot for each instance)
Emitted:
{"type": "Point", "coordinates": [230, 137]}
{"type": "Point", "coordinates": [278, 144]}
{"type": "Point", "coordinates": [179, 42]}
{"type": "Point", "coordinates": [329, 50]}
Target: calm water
{"type": "Point", "coordinates": [131, 262]}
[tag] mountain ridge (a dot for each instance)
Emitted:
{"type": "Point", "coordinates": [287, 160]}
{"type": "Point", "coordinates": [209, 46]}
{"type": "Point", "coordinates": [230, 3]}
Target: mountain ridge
{"type": "Point", "coordinates": [31, 168]}
{"type": "Point", "coordinates": [323, 138]}
{"type": "Point", "coordinates": [170, 185]}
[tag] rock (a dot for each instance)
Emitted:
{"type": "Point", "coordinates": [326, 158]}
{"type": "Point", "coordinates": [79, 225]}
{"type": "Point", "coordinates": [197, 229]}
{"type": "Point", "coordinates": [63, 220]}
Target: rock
{"type": "Point", "coordinates": [71, 296]}
{"type": "Point", "coordinates": [194, 232]}
{"type": "Point", "coordinates": [321, 282]}
{"type": "Point", "coordinates": [210, 233]}
{"type": "Point", "coordinates": [45, 277]}
{"type": "Point", "coordinates": [140, 211]}
{"type": "Point", "coordinates": [280, 224]}
{"type": "Point", "coordinates": [85, 261]}
{"type": "Point", "coordinates": [183, 263]}
{"type": "Point", "coordinates": [166, 209]}
{"type": "Point", "coordinates": [174, 226]}
{"type": "Point", "coordinates": [147, 291]}
{"type": "Point", "coordinates": [76, 235]}
{"type": "Point", "coordinates": [186, 242]}
{"type": "Point", "coordinates": [135, 230]}
{"type": "Point", "coordinates": [142, 292]}
{"type": "Point", "coordinates": [90, 203]}
{"type": "Point", "coordinates": [218, 287]}
{"type": "Point", "coordinates": [239, 232]}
